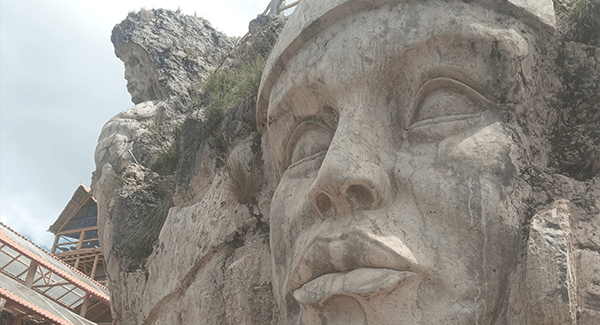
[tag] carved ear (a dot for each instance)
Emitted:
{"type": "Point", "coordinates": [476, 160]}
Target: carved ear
{"type": "Point", "coordinates": [544, 285]}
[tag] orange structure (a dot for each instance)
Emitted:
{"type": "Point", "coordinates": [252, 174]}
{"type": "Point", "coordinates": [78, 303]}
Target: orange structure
{"type": "Point", "coordinates": [76, 236]}
{"type": "Point", "coordinates": [38, 288]}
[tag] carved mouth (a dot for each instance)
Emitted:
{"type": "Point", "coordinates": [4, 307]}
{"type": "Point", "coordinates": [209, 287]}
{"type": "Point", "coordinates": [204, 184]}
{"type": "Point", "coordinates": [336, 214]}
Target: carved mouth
{"type": "Point", "coordinates": [354, 262]}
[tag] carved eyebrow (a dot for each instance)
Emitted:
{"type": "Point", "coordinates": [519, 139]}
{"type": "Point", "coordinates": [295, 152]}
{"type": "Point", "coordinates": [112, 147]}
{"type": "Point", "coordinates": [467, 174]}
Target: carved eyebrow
{"type": "Point", "coordinates": [447, 83]}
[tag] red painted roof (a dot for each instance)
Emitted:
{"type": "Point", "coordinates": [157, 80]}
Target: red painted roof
{"type": "Point", "coordinates": [46, 264]}
{"type": "Point", "coordinates": [35, 309]}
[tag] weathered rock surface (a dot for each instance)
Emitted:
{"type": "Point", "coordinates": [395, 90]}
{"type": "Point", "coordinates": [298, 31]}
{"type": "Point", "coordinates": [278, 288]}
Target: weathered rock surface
{"type": "Point", "coordinates": [180, 246]}
{"type": "Point", "coordinates": [503, 224]}
{"type": "Point", "coordinates": [181, 49]}
{"type": "Point", "coordinates": [165, 54]}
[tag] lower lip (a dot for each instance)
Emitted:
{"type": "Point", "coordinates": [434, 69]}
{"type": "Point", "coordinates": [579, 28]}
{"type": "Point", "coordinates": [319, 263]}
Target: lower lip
{"type": "Point", "coordinates": [362, 282]}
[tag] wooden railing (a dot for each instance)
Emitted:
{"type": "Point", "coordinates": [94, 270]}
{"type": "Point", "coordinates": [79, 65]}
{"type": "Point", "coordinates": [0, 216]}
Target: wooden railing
{"type": "Point", "coordinates": [276, 7]}
{"type": "Point", "coordinates": [79, 243]}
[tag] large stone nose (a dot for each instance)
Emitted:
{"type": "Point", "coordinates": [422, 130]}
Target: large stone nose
{"type": "Point", "coordinates": [349, 179]}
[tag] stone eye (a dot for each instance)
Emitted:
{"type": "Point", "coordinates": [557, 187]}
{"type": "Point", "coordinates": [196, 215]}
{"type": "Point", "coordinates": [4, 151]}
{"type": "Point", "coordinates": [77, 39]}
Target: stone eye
{"type": "Point", "coordinates": [443, 98]}
{"type": "Point", "coordinates": [308, 140]}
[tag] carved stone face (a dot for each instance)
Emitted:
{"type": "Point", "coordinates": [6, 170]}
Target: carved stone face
{"type": "Point", "coordinates": [394, 205]}
{"type": "Point", "coordinates": [140, 74]}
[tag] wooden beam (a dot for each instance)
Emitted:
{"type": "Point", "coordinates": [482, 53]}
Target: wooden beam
{"type": "Point", "coordinates": [81, 237]}
{"type": "Point", "coordinates": [286, 7]}
{"type": "Point", "coordinates": [84, 306]}
{"type": "Point", "coordinates": [71, 306]}
{"type": "Point", "coordinates": [94, 267]}
{"type": "Point", "coordinates": [83, 258]}
{"type": "Point", "coordinates": [67, 243]}
{"type": "Point", "coordinates": [31, 273]}
{"type": "Point", "coordinates": [74, 231]}
{"type": "Point", "coordinates": [92, 250]}
{"type": "Point", "coordinates": [54, 245]}
{"type": "Point", "coordinates": [77, 262]}
{"type": "Point", "coordinates": [69, 291]}
{"type": "Point", "coordinates": [50, 286]}
{"type": "Point", "coordinates": [95, 305]}
{"type": "Point", "coordinates": [88, 197]}
{"type": "Point", "coordinates": [12, 260]}
{"type": "Point", "coordinates": [275, 4]}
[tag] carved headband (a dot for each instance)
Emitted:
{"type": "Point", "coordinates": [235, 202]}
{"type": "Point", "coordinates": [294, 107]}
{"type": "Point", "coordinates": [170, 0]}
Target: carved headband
{"type": "Point", "coordinates": [313, 16]}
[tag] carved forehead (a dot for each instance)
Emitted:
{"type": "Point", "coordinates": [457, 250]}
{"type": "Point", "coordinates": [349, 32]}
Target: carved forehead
{"type": "Point", "coordinates": [396, 51]}
{"type": "Point", "coordinates": [311, 18]}
{"type": "Point", "coordinates": [129, 51]}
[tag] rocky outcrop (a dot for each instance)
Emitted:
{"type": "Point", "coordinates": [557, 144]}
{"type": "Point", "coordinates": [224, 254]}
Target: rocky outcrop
{"type": "Point", "coordinates": [180, 246]}
{"type": "Point", "coordinates": [181, 49]}
{"type": "Point", "coordinates": [185, 195]}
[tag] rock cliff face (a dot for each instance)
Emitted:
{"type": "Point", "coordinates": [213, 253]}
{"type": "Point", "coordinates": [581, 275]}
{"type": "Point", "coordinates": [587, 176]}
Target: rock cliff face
{"type": "Point", "coordinates": [181, 246]}
{"type": "Point", "coordinates": [185, 186]}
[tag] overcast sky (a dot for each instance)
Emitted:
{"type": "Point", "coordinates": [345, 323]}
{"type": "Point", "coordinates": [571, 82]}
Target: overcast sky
{"type": "Point", "coordinates": [59, 83]}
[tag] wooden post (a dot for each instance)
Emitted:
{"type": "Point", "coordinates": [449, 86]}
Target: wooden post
{"type": "Point", "coordinates": [94, 267]}
{"type": "Point", "coordinates": [81, 239]}
{"type": "Point", "coordinates": [56, 238]}
{"type": "Point", "coordinates": [77, 262]}
{"type": "Point", "coordinates": [31, 274]}
{"type": "Point", "coordinates": [275, 4]}
{"type": "Point", "coordinates": [286, 7]}
{"type": "Point", "coordinates": [84, 306]}
{"type": "Point", "coordinates": [17, 321]}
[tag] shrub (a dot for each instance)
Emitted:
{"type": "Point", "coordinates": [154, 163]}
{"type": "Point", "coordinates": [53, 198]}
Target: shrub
{"type": "Point", "coordinates": [250, 75]}
{"type": "Point", "coordinates": [226, 88]}
{"type": "Point", "coordinates": [583, 17]}
{"type": "Point", "coordinates": [244, 184]}
{"type": "Point", "coordinates": [138, 232]}
{"type": "Point", "coordinates": [166, 159]}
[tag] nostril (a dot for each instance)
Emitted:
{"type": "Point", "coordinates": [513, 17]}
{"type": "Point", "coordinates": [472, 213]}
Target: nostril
{"type": "Point", "coordinates": [323, 204]}
{"type": "Point", "coordinates": [360, 196]}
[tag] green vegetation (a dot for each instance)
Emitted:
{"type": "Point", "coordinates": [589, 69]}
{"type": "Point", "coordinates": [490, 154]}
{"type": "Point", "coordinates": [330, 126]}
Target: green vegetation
{"type": "Point", "coordinates": [583, 17]}
{"type": "Point", "coordinates": [138, 238]}
{"type": "Point", "coordinates": [166, 159]}
{"type": "Point", "coordinates": [227, 88]}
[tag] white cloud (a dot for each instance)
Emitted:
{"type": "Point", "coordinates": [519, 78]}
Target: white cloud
{"type": "Point", "coordinates": [229, 16]}
{"type": "Point", "coordinates": [60, 82]}
{"type": "Point", "coordinates": [29, 215]}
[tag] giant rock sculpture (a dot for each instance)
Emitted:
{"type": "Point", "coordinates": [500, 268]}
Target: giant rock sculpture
{"type": "Point", "coordinates": [414, 171]}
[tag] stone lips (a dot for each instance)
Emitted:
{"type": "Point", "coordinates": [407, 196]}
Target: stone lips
{"type": "Point", "coordinates": [361, 282]}
{"type": "Point", "coordinates": [351, 250]}
{"type": "Point", "coordinates": [353, 262]}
